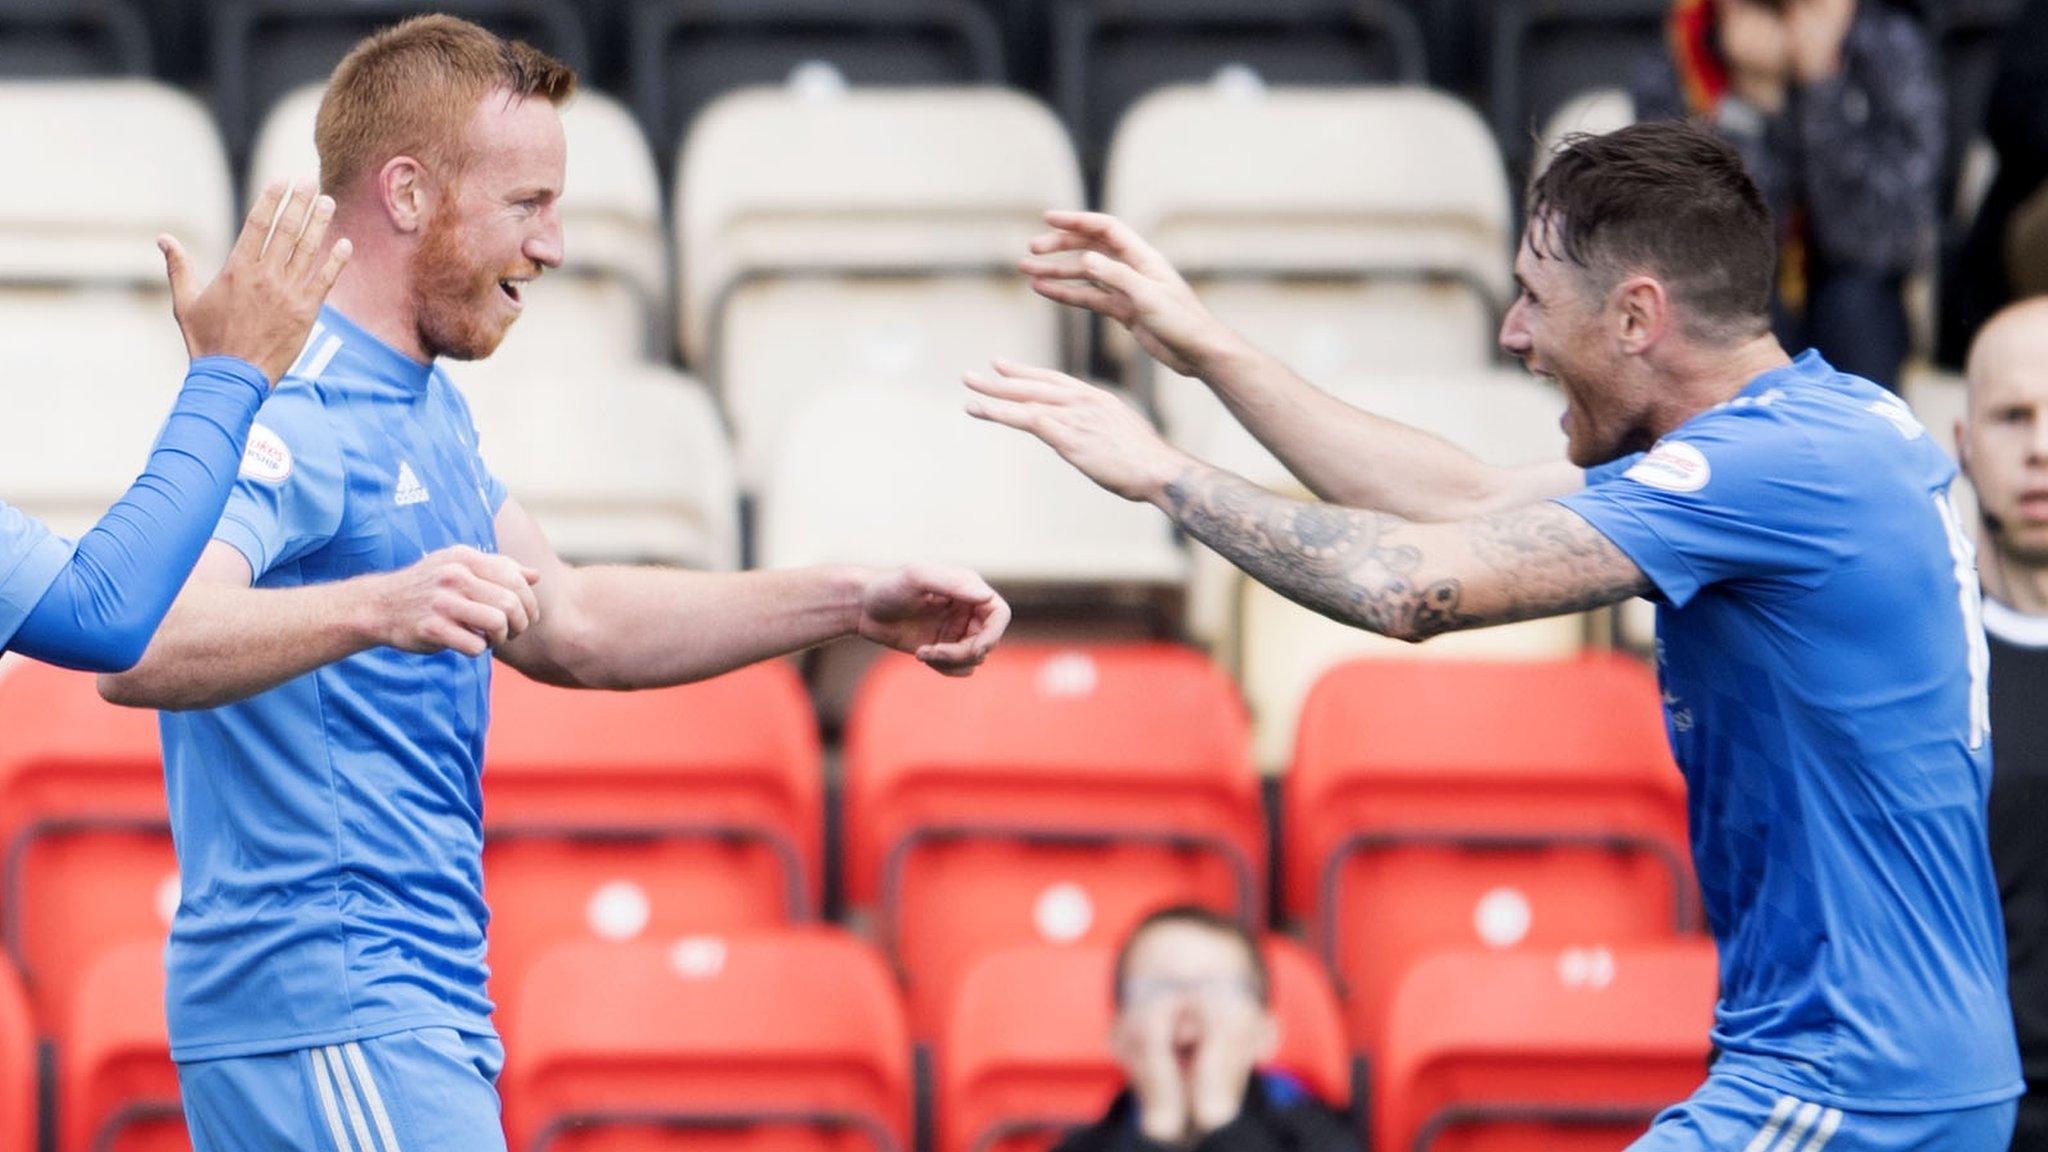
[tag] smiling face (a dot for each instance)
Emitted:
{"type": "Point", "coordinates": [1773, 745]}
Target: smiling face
{"type": "Point", "coordinates": [493, 231]}
{"type": "Point", "coordinates": [1564, 329]}
{"type": "Point", "coordinates": [2004, 440]}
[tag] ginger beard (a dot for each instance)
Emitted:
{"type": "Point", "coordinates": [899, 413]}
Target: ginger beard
{"type": "Point", "coordinates": [460, 303]}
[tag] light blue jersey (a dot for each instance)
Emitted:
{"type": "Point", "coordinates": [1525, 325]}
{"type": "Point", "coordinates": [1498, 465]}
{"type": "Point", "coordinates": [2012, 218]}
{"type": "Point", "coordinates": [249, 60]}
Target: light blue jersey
{"type": "Point", "coordinates": [30, 559]}
{"type": "Point", "coordinates": [329, 831]}
{"type": "Point", "coordinates": [1824, 686]}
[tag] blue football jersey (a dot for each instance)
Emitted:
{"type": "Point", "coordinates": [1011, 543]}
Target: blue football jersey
{"type": "Point", "coordinates": [30, 560]}
{"type": "Point", "coordinates": [1824, 677]}
{"type": "Point", "coordinates": [329, 831]}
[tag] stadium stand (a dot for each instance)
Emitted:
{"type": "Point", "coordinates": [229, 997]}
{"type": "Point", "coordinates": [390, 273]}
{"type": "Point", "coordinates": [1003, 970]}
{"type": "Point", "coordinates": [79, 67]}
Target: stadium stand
{"type": "Point", "coordinates": [1106, 54]}
{"type": "Point", "coordinates": [871, 475]}
{"type": "Point", "coordinates": [686, 53]}
{"type": "Point", "coordinates": [1594, 112]}
{"type": "Point", "coordinates": [1563, 1051]}
{"type": "Point", "coordinates": [264, 49]}
{"type": "Point", "coordinates": [1970, 35]}
{"type": "Point", "coordinates": [72, 38]}
{"type": "Point", "coordinates": [861, 236]}
{"type": "Point", "coordinates": [1025, 1054]}
{"type": "Point", "coordinates": [788, 1040]}
{"type": "Point", "coordinates": [1276, 648]}
{"type": "Point", "coordinates": [17, 1062]}
{"type": "Point", "coordinates": [1058, 795]}
{"type": "Point", "coordinates": [1437, 805]}
{"type": "Point", "coordinates": [1545, 52]}
{"type": "Point", "coordinates": [631, 815]}
{"type": "Point", "coordinates": [1354, 229]}
{"type": "Point", "coordinates": [609, 302]}
{"type": "Point", "coordinates": [83, 825]}
{"type": "Point", "coordinates": [118, 1090]}
{"type": "Point", "coordinates": [84, 317]}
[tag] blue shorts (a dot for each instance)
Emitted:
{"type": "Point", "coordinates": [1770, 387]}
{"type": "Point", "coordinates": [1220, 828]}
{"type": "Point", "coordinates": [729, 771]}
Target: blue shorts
{"type": "Point", "coordinates": [428, 1090]}
{"type": "Point", "coordinates": [1732, 1114]}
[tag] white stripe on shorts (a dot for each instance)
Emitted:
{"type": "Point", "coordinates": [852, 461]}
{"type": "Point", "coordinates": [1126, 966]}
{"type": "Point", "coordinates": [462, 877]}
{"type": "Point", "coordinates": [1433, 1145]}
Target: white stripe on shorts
{"type": "Point", "coordinates": [1801, 1124]}
{"type": "Point", "coordinates": [348, 1099]}
{"type": "Point", "coordinates": [1829, 1121]}
{"type": "Point", "coordinates": [370, 1094]}
{"type": "Point", "coordinates": [326, 1087]}
{"type": "Point", "coordinates": [1772, 1126]}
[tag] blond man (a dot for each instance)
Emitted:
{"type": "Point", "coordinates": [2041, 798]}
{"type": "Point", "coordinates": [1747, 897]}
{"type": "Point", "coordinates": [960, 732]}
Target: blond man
{"type": "Point", "coordinates": [326, 675]}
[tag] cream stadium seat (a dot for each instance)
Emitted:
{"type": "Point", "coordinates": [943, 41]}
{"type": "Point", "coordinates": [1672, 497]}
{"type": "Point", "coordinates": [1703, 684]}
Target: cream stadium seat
{"type": "Point", "coordinates": [610, 297]}
{"type": "Point", "coordinates": [1277, 648]}
{"type": "Point", "coordinates": [102, 167]}
{"type": "Point", "coordinates": [828, 236]}
{"type": "Point", "coordinates": [625, 463]}
{"type": "Point", "coordinates": [1595, 112]}
{"type": "Point", "coordinates": [880, 473]}
{"type": "Point", "coordinates": [1351, 230]}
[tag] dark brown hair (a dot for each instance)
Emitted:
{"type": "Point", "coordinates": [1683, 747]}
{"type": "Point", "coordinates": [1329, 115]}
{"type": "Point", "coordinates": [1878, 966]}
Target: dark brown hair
{"type": "Point", "coordinates": [1669, 199]}
{"type": "Point", "coordinates": [1195, 914]}
{"type": "Point", "coordinates": [409, 90]}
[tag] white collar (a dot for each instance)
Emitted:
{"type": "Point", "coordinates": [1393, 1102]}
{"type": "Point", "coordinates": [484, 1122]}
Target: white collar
{"type": "Point", "coordinates": [2015, 627]}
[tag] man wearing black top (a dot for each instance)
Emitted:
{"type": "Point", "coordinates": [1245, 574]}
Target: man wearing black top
{"type": "Point", "coordinates": [2003, 441]}
{"type": "Point", "coordinates": [1192, 1023]}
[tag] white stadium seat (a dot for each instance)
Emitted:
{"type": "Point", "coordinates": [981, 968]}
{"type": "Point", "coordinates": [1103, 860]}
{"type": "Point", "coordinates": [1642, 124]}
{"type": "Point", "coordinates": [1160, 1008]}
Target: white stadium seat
{"type": "Point", "coordinates": [1277, 648]}
{"type": "Point", "coordinates": [1351, 229]}
{"type": "Point", "coordinates": [881, 474]}
{"type": "Point", "coordinates": [861, 235]}
{"type": "Point", "coordinates": [618, 463]}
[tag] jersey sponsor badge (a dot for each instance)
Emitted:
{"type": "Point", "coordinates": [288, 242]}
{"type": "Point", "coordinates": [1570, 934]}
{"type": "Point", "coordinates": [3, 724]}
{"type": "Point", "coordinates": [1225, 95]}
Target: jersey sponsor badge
{"type": "Point", "coordinates": [267, 458]}
{"type": "Point", "coordinates": [1674, 466]}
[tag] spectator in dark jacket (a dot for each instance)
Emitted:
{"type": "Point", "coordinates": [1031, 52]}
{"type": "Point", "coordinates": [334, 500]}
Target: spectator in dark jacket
{"type": "Point", "coordinates": [2010, 223]}
{"type": "Point", "coordinates": [1192, 1024]}
{"type": "Point", "coordinates": [1836, 108]}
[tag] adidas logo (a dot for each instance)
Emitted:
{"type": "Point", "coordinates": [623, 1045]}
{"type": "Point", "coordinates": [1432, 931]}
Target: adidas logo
{"type": "Point", "coordinates": [410, 490]}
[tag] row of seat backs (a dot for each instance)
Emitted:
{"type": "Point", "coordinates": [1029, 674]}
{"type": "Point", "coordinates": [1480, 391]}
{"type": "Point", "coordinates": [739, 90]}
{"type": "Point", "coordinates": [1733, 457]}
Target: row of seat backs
{"type": "Point", "coordinates": [1058, 795]}
{"type": "Point", "coordinates": [796, 1035]}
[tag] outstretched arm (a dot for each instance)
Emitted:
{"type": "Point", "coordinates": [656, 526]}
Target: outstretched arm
{"type": "Point", "coordinates": [629, 627]}
{"type": "Point", "coordinates": [1343, 454]}
{"type": "Point", "coordinates": [1374, 570]}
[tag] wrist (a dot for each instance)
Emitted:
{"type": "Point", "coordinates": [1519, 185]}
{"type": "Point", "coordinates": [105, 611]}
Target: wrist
{"type": "Point", "coordinates": [364, 617]}
{"type": "Point", "coordinates": [846, 589]}
{"type": "Point", "coordinates": [229, 370]}
{"type": "Point", "coordinates": [1222, 355]}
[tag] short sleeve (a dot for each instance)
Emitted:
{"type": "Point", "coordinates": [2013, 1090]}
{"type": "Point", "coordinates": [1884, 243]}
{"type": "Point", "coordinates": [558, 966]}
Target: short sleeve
{"type": "Point", "coordinates": [31, 556]}
{"type": "Point", "coordinates": [1731, 495]}
{"type": "Point", "coordinates": [290, 493]}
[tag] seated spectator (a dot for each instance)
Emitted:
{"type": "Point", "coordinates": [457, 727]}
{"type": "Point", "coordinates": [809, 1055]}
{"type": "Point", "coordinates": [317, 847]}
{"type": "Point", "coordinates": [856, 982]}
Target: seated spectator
{"type": "Point", "coordinates": [1192, 1024]}
{"type": "Point", "coordinates": [2002, 258]}
{"type": "Point", "coordinates": [2003, 441]}
{"type": "Point", "coordinates": [1836, 108]}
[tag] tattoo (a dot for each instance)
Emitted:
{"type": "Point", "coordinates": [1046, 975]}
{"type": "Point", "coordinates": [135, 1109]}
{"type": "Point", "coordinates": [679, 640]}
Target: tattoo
{"type": "Point", "coordinates": [1373, 571]}
{"type": "Point", "coordinates": [1336, 561]}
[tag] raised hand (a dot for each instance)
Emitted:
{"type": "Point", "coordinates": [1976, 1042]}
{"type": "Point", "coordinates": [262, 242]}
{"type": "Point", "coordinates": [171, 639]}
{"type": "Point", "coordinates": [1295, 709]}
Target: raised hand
{"type": "Point", "coordinates": [457, 598]}
{"type": "Point", "coordinates": [261, 305]}
{"type": "Point", "coordinates": [1095, 430]}
{"type": "Point", "coordinates": [1095, 261]}
{"type": "Point", "coordinates": [947, 617]}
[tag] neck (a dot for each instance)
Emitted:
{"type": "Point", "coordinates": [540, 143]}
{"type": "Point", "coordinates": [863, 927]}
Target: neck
{"type": "Point", "coordinates": [1701, 378]}
{"type": "Point", "coordinates": [375, 292]}
{"type": "Point", "coordinates": [2011, 581]}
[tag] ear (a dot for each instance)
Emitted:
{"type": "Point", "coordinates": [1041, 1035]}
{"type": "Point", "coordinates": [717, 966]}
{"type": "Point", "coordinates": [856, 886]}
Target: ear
{"type": "Point", "coordinates": [405, 193]}
{"type": "Point", "coordinates": [1642, 313]}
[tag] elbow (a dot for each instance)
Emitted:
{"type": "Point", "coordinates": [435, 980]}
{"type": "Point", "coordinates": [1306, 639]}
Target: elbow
{"type": "Point", "coordinates": [121, 688]}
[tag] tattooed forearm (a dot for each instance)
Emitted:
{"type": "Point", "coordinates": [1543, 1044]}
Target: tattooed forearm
{"type": "Point", "coordinates": [1346, 564]}
{"type": "Point", "coordinates": [1409, 581]}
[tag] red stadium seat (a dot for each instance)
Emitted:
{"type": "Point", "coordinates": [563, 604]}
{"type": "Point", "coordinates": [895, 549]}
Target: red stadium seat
{"type": "Point", "coordinates": [1058, 795]}
{"type": "Point", "coordinates": [621, 814]}
{"type": "Point", "coordinates": [788, 1040]}
{"type": "Point", "coordinates": [119, 1089]}
{"type": "Point", "coordinates": [1026, 1056]}
{"type": "Point", "coordinates": [17, 1063]}
{"type": "Point", "coordinates": [1531, 1050]}
{"type": "Point", "coordinates": [1440, 805]}
{"type": "Point", "coordinates": [88, 862]}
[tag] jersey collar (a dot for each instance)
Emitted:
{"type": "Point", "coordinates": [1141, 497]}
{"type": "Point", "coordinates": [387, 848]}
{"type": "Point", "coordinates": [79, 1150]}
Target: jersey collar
{"type": "Point", "coordinates": [384, 363]}
{"type": "Point", "coordinates": [2015, 627]}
